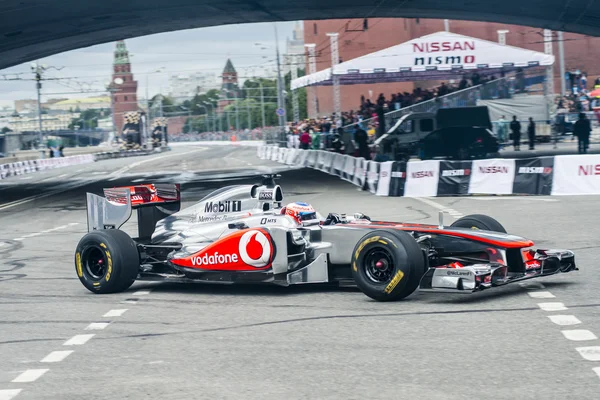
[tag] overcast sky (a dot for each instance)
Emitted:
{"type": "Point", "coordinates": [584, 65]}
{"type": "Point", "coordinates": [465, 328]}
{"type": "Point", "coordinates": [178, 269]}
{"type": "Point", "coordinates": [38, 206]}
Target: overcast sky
{"type": "Point", "coordinates": [182, 52]}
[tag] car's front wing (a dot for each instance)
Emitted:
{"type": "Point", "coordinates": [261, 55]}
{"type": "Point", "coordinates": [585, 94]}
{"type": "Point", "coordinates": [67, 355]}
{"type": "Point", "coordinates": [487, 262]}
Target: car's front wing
{"type": "Point", "coordinates": [478, 277]}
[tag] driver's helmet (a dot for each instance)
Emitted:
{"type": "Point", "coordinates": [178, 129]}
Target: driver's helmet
{"type": "Point", "coordinates": [302, 213]}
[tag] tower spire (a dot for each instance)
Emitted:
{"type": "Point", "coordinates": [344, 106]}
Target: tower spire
{"type": "Point", "coordinates": [121, 54]}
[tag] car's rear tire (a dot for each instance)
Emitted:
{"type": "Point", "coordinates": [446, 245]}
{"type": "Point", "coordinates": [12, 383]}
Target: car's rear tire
{"type": "Point", "coordinates": [387, 265]}
{"type": "Point", "coordinates": [107, 261]}
{"type": "Point", "coordinates": [479, 221]}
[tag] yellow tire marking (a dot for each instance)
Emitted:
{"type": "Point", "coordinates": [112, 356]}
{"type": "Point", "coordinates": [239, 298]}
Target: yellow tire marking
{"type": "Point", "coordinates": [354, 266]}
{"type": "Point", "coordinates": [109, 272]}
{"type": "Point", "coordinates": [364, 243]}
{"type": "Point", "coordinates": [78, 264]}
{"type": "Point", "coordinates": [102, 245]}
{"type": "Point", "coordinates": [383, 241]}
{"type": "Point", "coordinates": [95, 284]}
{"type": "Point", "coordinates": [392, 285]}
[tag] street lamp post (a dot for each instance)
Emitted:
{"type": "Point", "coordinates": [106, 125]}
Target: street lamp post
{"type": "Point", "coordinates": [38, 70]}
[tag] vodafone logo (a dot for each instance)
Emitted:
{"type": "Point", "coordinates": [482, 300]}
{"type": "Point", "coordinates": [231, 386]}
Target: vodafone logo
{"type": "Point", "coordinates": [255, 249]}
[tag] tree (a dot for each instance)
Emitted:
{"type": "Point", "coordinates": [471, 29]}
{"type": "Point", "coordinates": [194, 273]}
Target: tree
{"type": "Point", "coordinates": [166, 101]}
{"type": "Point", "coordinates": [90, 117]}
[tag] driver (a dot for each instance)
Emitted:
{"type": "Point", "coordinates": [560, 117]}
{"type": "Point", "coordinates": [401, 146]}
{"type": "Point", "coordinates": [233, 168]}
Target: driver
{"type": "Point", "coordinates": [303, 213]}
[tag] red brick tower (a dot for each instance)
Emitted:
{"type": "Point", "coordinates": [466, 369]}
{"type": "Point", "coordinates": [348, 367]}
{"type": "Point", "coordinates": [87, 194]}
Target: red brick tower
{"type": "Point", "coordinates": [124, 95]}
{"type": "Point", "coordinates": [229, 86]}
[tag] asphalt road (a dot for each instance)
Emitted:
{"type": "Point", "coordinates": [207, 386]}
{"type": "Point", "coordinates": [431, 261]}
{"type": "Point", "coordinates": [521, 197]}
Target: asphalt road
{"type": "Point", "coordinates": [196, 341]}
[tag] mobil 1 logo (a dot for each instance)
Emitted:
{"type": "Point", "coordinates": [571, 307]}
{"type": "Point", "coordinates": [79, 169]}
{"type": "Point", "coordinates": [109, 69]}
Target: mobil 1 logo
{"type": "Point", "coordinates": [223, 206]}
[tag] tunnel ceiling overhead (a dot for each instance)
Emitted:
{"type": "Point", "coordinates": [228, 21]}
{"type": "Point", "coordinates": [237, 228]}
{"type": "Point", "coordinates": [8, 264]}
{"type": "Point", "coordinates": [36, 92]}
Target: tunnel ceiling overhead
{"type": "Point", "coordinates": [33, 29]}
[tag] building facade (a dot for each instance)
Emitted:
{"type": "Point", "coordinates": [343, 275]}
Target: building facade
{"type": "Point", "coordinates": [124, 94]}
{"type": "Point", "coordinates": [294, 49]}
{"type": "Point", "coordinates": [185, 87]}
{"type": "Point", "coordinates": [359, 37]}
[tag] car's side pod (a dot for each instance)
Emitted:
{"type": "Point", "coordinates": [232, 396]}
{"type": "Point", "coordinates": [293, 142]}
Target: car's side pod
{"type": "Point", "coordinates": [105, 214]}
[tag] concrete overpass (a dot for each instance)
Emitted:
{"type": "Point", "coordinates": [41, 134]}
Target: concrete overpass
{"type": "Point", "coordinates": [36, 28]}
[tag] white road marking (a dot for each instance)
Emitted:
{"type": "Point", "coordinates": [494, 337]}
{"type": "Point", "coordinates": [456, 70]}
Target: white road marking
{"type": "Point", "coordinates": [532, 285]}
{"type": "Point", "coordinates": [78, 340]}
{"type": "Point", "coordinates": [429, 202]}
{"type": "Point", "coordinates": [503, 198]}
{"type": "Point", "coordinates": [47, 179]}
{"type": "Point", "coordinates": [2, 244]}
{"type": "Point", "coordinates": [552, 306]}
{"type": "Point", "coordinates": [30, 375]}
{"type": "Point", "coordinates": [591, 353]}
{"type": "Point", "coordinates": [134, 301]}
{"type": "Point", "coordinates": [155, 362]}
{"type": "Point", "coordinates": [115, 313]}
{"type": "Point", "coordinates": [62, 176]}
{"type": "Point", "coordinates": [117, 174]}
{"type": "Point", "coordinates": [79, 170]}
{"type": "Point", "coordinates": [8, 394]}
{"type": "Point", "coordinates": [596, 370]}
{"type": "Point", "coordinates": [43, 195]}
{"type": "Point", "coordinates": [541, 295]}
{"type": "Point", "coordinates": [564, 319]}
{"type": "Point", "coordinates": [579, 335]}
{"type": "Point", "coordinates": [26, 178]}
{"type": "Point", "coordinates": [96, 326]}
{"type": "Point", "coordinates": [57, 356]}
{"type": "Point", "coordinates": [141, 292]}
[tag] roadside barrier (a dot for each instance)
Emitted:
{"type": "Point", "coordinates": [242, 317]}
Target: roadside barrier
{"type": "Point", "coordinates": [32, 166]}
{"type": "Point", "coordinates": [552, 175]}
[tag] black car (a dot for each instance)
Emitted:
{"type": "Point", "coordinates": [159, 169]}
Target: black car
{"type": "Point", "coordinates": [461, 143]}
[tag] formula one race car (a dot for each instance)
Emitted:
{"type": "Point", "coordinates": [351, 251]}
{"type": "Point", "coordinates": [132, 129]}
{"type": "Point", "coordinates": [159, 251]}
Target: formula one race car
{"type": "Point", "coordinates": [243, 234]}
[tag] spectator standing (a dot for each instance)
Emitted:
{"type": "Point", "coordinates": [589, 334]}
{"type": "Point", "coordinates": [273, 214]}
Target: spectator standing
{"type": "Point", "coordinates": [305, 140]}
{"type": "Point", "coordinates": [502, 127]}
{"type": "Point", "coordinates": [316, 140]}
{"type": "Point", "coordinates": [531, 133]}
{"type": "Point", "coordinates": [515, 127]}
{"type": "Point", "coordinates": [582, 130]}
{"type": "Point", "coordinates": [362, 140]}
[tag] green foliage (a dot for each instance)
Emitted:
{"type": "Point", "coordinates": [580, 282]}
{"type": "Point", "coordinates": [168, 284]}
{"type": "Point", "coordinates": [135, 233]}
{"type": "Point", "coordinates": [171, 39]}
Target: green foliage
{"type": "Point", "coordinates": [90, 117]}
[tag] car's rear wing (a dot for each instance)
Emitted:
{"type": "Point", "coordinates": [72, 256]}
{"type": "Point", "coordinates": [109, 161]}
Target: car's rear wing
{"type": "Point", "coordinates": [153, 202]}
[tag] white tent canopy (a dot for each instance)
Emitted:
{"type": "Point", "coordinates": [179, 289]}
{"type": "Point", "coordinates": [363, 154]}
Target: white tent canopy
{"type": "Point", "coordinates": [440, 55]}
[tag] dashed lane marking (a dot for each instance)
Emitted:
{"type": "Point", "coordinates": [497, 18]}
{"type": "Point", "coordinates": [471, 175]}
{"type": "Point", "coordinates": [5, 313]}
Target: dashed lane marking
{"type": "Point", "coordinates": [564, 319]}
{"type": "Point", "coordinates": [130, 301]}
{"type": "Point", "coordinates": [579, 335]}
{"type": "Point", "coordinates": [115, 313]}
{"type": "Point", "coordinates": [552, 306]}
{"type": "Point", "coordinates": [596, 370]}
{"type": "Point", "coordinates": [57, 356]}
{"type": "Point", "coordinates": [591, 353]}
{"type": "Point", "coordinates": [97, 326]}
{"type": "Point", "coordinates": [78, 340]}
{"type": "Point", "coordinates": [9, 394]}
{"type": "Point", "coordinates": [31, 375]}
{"type": "Point", "coordinates": [58, 228]}
{"type": "Point", "coordinates": [429, 202]}
{"type": "Point", "coordinates": [541, 295]}
{"type": "Point", "coordinates": [141, 292]}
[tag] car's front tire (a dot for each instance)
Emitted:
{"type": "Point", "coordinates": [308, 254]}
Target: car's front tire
{"type": "Point", "coordinates": [387, 265]}
{"type": "Point", "coordinates": [107, 261]}
{"type": "Point", "coordinates": [479, 221]}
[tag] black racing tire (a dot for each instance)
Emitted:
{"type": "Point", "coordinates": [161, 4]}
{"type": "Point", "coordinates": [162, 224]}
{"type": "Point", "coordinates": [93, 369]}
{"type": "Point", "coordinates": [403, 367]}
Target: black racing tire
{"type": "Point", "coordinates": [479, 221]}
{"type": "Point", "coordinates": [107, 261]}
{"type": "Point", "coordinates": [387, 265]}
